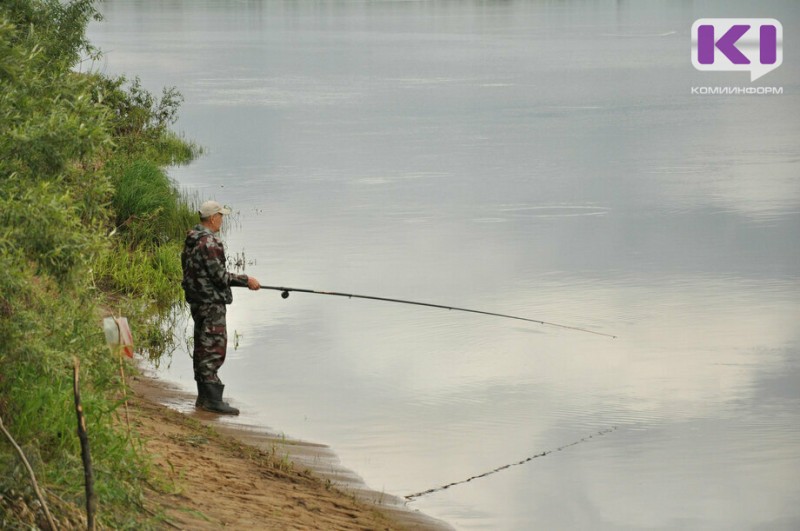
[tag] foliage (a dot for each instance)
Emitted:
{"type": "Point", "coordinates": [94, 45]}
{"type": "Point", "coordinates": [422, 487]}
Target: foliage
{"type": "Point", "coordinates": [56, 27]}
{"type": "Point", "coordinates": [148, 206]}
{"type": "Point", "coordinates": [140, 121]}
{"type": "Point", "coordinates": [152, 276]}
{"type": "Point", "coordinates": [137, 111]}
{"type": "Point", "coordinates": [44, 327]}
{"type": "Point", "coordinates": [43, 223]}
{"type": "Point", "coordinates": [49, 118]}
{"type": "Point", "coordinates": [84, 204]}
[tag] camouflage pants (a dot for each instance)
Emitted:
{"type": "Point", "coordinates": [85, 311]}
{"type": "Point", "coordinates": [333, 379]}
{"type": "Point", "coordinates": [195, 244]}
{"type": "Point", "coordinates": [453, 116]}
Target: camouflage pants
{"type": "Point", "coordinates": [210, 340]}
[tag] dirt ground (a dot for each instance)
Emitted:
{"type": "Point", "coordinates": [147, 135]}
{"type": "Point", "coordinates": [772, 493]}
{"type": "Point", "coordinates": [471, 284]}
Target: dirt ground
{"type": "Point", "coordinates": [215, 477]}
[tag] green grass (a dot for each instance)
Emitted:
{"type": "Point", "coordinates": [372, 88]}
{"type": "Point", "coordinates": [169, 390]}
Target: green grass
{"type": "Point", "coordinates": [148, 207]}
{"type": "Point", "coordinates": [152, 275]}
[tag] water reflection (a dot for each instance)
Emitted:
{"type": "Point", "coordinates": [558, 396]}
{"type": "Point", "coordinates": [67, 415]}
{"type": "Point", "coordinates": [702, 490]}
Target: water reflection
{"type": "Point", "coordinates": [543, 159]}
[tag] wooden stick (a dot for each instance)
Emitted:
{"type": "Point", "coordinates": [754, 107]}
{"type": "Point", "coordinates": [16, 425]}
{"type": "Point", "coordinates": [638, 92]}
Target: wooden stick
{"type": "Point", "coordinates": [118, 351]}
{"type": "Point", "coordinates": [91, 499]}
{"type": "Point", "coordinates": [124, 391]}
{"type": "Point", "coordinates": [39, 495]}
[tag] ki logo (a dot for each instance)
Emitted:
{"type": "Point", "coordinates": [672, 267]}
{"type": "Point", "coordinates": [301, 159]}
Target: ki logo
{"type": "Point", "coordinates": [737, 44]}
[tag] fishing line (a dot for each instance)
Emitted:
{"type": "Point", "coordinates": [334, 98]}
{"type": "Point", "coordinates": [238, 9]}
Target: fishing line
{"type": "Point", "coordinates": [285, 294]}
{"type": "Point", "coordinates": [504, 467]}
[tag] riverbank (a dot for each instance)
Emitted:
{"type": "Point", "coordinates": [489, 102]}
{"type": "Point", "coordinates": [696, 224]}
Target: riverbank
{"type": "Point", "coordinates": [213, 475]}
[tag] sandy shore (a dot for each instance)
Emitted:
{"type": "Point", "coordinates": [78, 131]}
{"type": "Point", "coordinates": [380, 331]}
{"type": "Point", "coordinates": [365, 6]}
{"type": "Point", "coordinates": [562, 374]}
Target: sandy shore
{"type": "Point", "coordinates": [242, 477]}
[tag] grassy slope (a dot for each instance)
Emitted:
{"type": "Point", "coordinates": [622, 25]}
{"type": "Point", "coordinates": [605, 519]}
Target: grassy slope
{"type": "Point", "coordinates": [88, 220]}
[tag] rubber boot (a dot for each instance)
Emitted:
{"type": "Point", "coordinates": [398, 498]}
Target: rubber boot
{"type": "Point", "coordinates": [212, 392]}
{"type": "Point", "coordinates": [201, 395]}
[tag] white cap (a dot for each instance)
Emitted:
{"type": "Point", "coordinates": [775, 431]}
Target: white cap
{"type": "Point", "coordinates": [209, 208]}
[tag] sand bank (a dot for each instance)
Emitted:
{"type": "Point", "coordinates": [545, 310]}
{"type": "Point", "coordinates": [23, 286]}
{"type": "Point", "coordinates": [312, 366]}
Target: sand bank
{"type": "Point", "coordinates": [243, 477]}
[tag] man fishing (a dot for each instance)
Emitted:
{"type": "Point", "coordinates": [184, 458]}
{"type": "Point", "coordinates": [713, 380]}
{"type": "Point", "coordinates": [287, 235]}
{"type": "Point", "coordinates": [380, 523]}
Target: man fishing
{"type": "Point", "coordinates": [207, 285]}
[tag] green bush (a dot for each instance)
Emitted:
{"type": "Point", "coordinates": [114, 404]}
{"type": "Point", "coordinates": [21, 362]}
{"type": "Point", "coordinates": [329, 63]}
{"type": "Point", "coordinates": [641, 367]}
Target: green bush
{"type": "Point", "coordinates": [44, 224]}
{"type": "Point", "coordinates": [84, 204]}
{"type": "Point", "coordinates": [140, 121]}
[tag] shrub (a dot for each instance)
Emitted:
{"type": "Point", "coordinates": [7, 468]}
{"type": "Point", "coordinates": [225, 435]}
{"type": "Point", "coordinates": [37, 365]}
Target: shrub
{"type": "Point", "coordinates": [77, 152]}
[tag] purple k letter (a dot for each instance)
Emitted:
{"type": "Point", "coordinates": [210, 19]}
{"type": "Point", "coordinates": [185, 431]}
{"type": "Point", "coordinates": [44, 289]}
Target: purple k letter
{"type": "Point", "coordinates": [726, 44]}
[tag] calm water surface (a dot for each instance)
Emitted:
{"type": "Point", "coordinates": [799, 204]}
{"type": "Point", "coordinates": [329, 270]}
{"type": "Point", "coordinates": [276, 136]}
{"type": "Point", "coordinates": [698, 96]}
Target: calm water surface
{"type": "Point", "coordinates": [545, 159]}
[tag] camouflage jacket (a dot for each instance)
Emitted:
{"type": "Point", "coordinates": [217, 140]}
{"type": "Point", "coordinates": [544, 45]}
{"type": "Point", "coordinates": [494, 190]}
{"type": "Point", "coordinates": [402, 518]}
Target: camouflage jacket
{"type": "Point", "coordinates": [205, 279]}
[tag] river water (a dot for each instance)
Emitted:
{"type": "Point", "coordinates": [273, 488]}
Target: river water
{"type": "Point", "coordinates": [545, 159]}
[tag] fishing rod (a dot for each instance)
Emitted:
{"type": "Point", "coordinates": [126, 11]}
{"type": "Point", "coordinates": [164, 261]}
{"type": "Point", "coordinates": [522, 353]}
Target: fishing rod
{"type": "Point", "coordinates": [285, 294]}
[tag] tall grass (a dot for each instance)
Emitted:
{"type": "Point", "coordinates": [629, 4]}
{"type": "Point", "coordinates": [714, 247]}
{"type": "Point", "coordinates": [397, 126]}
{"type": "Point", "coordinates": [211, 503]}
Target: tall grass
{"type": "Point", "coordinates": [148, 207]}
{"type": "Point", "coordinates": [152, 275]}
